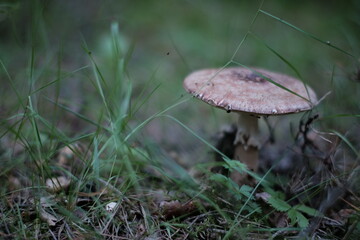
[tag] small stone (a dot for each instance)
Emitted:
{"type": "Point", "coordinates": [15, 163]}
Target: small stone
{"type": "Point", "coordinates": [110, 207]}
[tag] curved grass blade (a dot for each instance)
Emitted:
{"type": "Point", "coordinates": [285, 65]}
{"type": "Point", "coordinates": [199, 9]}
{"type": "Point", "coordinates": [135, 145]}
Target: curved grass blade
{"type": "Point", "coordinates": [141, 125]}
{"type": "Point", "coordinates": [82, 117]}
{"type": "Point", "coordinates": [272, 81]}
{"type": "Point", "coordinates": [328, 43]}
{"type": "Point", "coordinates": [352, 147]}
{"type": "Point", "coordinates": [284, 60]}
{"type": "Point", "coordinates": [247, 33]}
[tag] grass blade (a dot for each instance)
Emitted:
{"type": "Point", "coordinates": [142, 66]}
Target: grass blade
{"type": "Point", "coordinates": [272, 81]}
{"type": "Point", "coordinates": [328, 43]}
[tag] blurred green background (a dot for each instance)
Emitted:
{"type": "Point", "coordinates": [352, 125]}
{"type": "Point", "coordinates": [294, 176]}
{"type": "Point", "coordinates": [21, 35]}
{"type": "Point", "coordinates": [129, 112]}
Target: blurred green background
{"type": "Point", "coordinates": [162, 42]}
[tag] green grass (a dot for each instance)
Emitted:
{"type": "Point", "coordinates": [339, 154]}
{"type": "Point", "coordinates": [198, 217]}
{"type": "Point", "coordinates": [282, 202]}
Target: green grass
{"type": "Point", "coordinates": [93, 92]}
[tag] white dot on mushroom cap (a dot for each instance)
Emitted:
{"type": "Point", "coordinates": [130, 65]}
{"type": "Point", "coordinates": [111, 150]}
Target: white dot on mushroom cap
{"type": "Point", "coordinates": [210, 101]}
{"type": "Point", "coordinates": [274, 111]}
{"type": "Point", "coordinates": [199, 95]}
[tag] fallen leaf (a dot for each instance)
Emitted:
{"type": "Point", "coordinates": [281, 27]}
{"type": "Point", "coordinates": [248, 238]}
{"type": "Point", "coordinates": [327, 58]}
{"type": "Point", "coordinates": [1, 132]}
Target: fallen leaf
{"type": "Point", "coordinates": [263, 196]}
{"type": "Point", "coordinates": [280, 220]}
{"type": "Point", "coordinates": [141, 230]}
{"type": "Point", "coordinates": [48, 218]}
{"type": "Point", "coordinates": [14, 183]}
{"type": "Point", "coordinates": [65, 156]}
{"type": "Point", "coordinates": [57, 184]}
{"type": "Point", "coordinates": [173, 209]}
{"type": "Point", "coordinates": [73, 157]}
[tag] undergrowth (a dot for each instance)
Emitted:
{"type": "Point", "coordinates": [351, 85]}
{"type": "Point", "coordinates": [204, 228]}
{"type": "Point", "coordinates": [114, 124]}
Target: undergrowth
{"type": "Point", "coordinates": [76, 162]}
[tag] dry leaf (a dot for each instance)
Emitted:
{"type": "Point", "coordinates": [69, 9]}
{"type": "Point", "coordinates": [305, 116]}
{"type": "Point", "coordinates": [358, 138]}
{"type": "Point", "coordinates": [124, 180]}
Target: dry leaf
{"type": "Point", "coordinates": [263, 196]}
{"type": "Point", "coordinates": [47, 217]}
{"type": "Point", "coordinates": [73, 157]}
{"type": "Point", "coordinates": [14, 183]}
{"type": "Point", "coordinates": [280, 219]}
{"type": "Point", "coordinates": [65, 156]}
{"type": "Point", "coordinates": [173, 209]}
{"type": "Point", "coordinates": [57, 184]}
{"type": "Point", "coordinates": [141, 230]}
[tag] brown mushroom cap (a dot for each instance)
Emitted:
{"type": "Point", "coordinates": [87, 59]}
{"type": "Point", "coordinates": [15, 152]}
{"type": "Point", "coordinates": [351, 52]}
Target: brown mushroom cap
{"type": "Point", "coordinates": [240, 89]}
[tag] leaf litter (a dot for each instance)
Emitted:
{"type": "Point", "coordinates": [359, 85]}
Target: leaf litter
{"type": "Point", "coordinates": [316, 200]}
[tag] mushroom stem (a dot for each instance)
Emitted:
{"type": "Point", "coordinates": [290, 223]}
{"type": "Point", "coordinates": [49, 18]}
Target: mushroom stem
{"type": "Point", "coordinates": [247, 144]}
{"type": "Point", "coordinates": [247, 130]}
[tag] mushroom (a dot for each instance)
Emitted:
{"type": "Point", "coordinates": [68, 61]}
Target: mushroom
{"type": "Point", "coordinates": [251, 94]}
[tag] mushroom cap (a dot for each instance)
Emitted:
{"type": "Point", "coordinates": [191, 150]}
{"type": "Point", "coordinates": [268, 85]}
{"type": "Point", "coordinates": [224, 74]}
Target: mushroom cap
{"type": "Point", "coordinates": [241, 89]}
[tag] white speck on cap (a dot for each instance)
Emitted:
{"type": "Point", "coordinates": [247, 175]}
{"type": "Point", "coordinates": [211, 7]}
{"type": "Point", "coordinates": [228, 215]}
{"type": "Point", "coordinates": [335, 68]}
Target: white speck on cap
{"type": "Point", "coordinates": [243, 90]}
